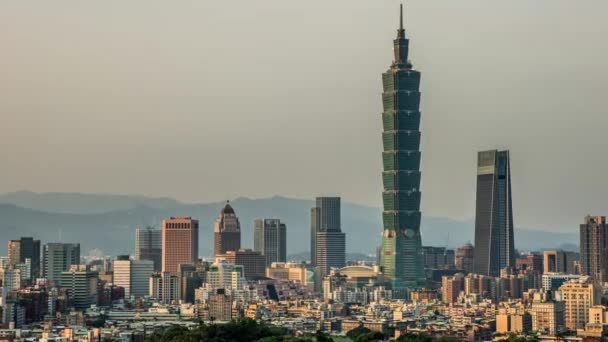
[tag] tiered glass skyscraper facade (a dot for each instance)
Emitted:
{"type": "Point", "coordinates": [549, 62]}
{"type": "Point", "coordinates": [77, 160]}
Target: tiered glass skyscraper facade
{"type": "Point", "coordinates": [401, 252]}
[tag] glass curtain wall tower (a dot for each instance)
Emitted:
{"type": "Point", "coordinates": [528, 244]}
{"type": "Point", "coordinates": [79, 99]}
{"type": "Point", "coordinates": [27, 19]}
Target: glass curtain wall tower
{"type": "Point", "coordinates": [401, 251]}
{"type": "Point", "coordinates": [494, 248]}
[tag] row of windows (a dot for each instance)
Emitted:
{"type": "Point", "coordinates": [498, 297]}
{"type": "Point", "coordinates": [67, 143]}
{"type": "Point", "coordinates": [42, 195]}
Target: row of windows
{"type": "Point", "coordinates": [401, 140]}
{"type": "Point", "coordinates": [401, 160]}
{"type": "Point", "coordinates": [402, 200]}
{"type": "Point", "coordinates": [408, 120]}
{"type": "Point", "coordinates": [402, 100]}
{"type": "Point", "coordinates": [401, 80]}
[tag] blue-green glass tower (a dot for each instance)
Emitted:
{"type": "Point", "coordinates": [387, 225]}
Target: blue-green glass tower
{"type": "Point", "coordinates": [401, 252]}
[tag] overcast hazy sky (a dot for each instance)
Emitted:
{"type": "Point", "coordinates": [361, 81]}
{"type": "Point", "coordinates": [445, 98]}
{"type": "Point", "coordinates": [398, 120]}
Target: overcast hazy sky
{"type": "Point", "coordinates": [208, 100]}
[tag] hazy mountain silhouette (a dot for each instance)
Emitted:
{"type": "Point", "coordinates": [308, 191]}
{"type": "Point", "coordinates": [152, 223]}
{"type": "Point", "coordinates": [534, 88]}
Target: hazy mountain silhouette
{"type": "Point", "coordinates": [108, 222]}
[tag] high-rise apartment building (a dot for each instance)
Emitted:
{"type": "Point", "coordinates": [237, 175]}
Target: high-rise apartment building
{"type": "Point", "coordinates": [227, 231]}
{"type": "Point", "coordinates": [451, 286]}
{"type": "Point", "coordinates": [547, 317]}
{"type": "Point", "coordinates": [464, 258]}
{"type": "Point", "coordinates": [149, 246]}
{"type": "Point", "coordinates": [220, 306]}
{"type": "Point", "coordinates": [165, 287]}
{"type": "Point", "coordinates": [325, 216]}
{"type": "Point", "coordinates": [494, 249]}
{"type": "Point", "coordinates": [594, 247]}
{"type": "Point", "coordinates": [133, 275]}
{"type": "Point", "coordinates": [401, 255]}
{"type": "Point", "coordinates": [180, 243]}
{"type": "Point", "coordinates": [59, 257]}
{"type": "Point", "coordinates": [579, 295]}
{"type": "Point", "coordinates": [226, 276]}
{"type": "Point", "coordinates": [81, 284]}
{"type": "Point", "coordinates": [270, 239]}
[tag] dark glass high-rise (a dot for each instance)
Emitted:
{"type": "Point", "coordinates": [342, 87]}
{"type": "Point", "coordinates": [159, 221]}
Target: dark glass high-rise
{"type": "Point", "coordinates": [494, 246]}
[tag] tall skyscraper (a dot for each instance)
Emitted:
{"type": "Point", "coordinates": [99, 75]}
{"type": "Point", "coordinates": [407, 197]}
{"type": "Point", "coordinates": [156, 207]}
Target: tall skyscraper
{"type": "Point", "coordinates": [227, 231]}
{"type": "Point", "coordinates": [180, 243]}
{"type": "Point", "coordinates": [494, 248]}
{"type": "Point", "coordinates": [325, 216]}
{"type": "Point", "coordinates": [59, 257]}
{"type": "Point", "coordinates": [22, 249]}
{"type": "Point", "coordinates": [133, 275]}
{"type": "Point", "coordinates": [594, 247]}
{"type": "Point", "coordinates": [401, 253]}
{"type": "Point", "coordinates": [327, 238]}
{"type": "Point", "coordinates": [149, 246]}
{"type": "Point", "coordinates": [270, 239]}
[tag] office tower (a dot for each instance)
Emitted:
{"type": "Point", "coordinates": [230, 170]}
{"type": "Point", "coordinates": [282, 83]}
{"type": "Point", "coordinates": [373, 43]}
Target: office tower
{"type": "Point", "coordinates": [594, 247]}
{"type": "Point", "coordinates": [81, 284]}
{"type": "Point", "coordinates": [451, 286]}
{"type": "Point", "coordinates": [133, 275]}
{"type": "Point", "coordinates": [30, 249]}
{"type": "Point", "coordinates": [464, 258]}
{"type": "Point", "coordinates": [59, 257]}
{"type": "Point", "coordinates": [530, 262]}
{"type": "Point", "coordinates": [401, 254]}
{"type": "Point", "coordinates": [288, 271]}
{"type": "Point", "coordinates": [559, 262]}
{"type": "Point", "coordinates": [11, 279]}
{"type": "Point", "coordinates": [220, 306]}
{"type": "Point", "coordinates": [552, 281]}
{"type": "Point", "coordinates": [325, 216]}
{"type": "Point", "coordinates": [579, 295]}
{"type": "Point", "coordinates": [327, 238]}
{"type": "Point", "coordinates": [14, 251]}
{"type": "Point", "coordinates": [191, 278]}
{"type": "Point", "coordinates": [493, 214]}
{"type": "Point", "coordinates": [331, 251]}
{"type": "Point", "coordinates": [227, 231]}
{"type": "Point", "coordinates": [548, 317]}
{"type": "Point", "coordinates": [180, 243]}
{"type": "Point", "coordinates": [149, 246]}
{"type": "Point", "coordinates": [270, 239]}
{"type": "Point", "coordinates": [164, 287]}
{"type": "Point", "coordinates": [253, 262]}
{"type": "Point", "coordinates": [438, 257]}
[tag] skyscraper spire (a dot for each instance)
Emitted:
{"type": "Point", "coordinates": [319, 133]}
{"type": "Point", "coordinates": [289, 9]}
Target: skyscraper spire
{"type": "Point", "coordinates": [401, 31]}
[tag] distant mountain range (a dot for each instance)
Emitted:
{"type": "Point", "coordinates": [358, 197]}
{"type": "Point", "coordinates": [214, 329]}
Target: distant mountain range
{"type": "Point", "coordinates": [108, 222]}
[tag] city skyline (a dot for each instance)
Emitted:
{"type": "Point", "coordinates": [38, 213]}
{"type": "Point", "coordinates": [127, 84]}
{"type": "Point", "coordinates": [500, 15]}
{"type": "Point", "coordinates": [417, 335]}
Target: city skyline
{"type": "Point", "coordinates": [196, 279]}
{"type": "Point", "coordinates": [474, 108]}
